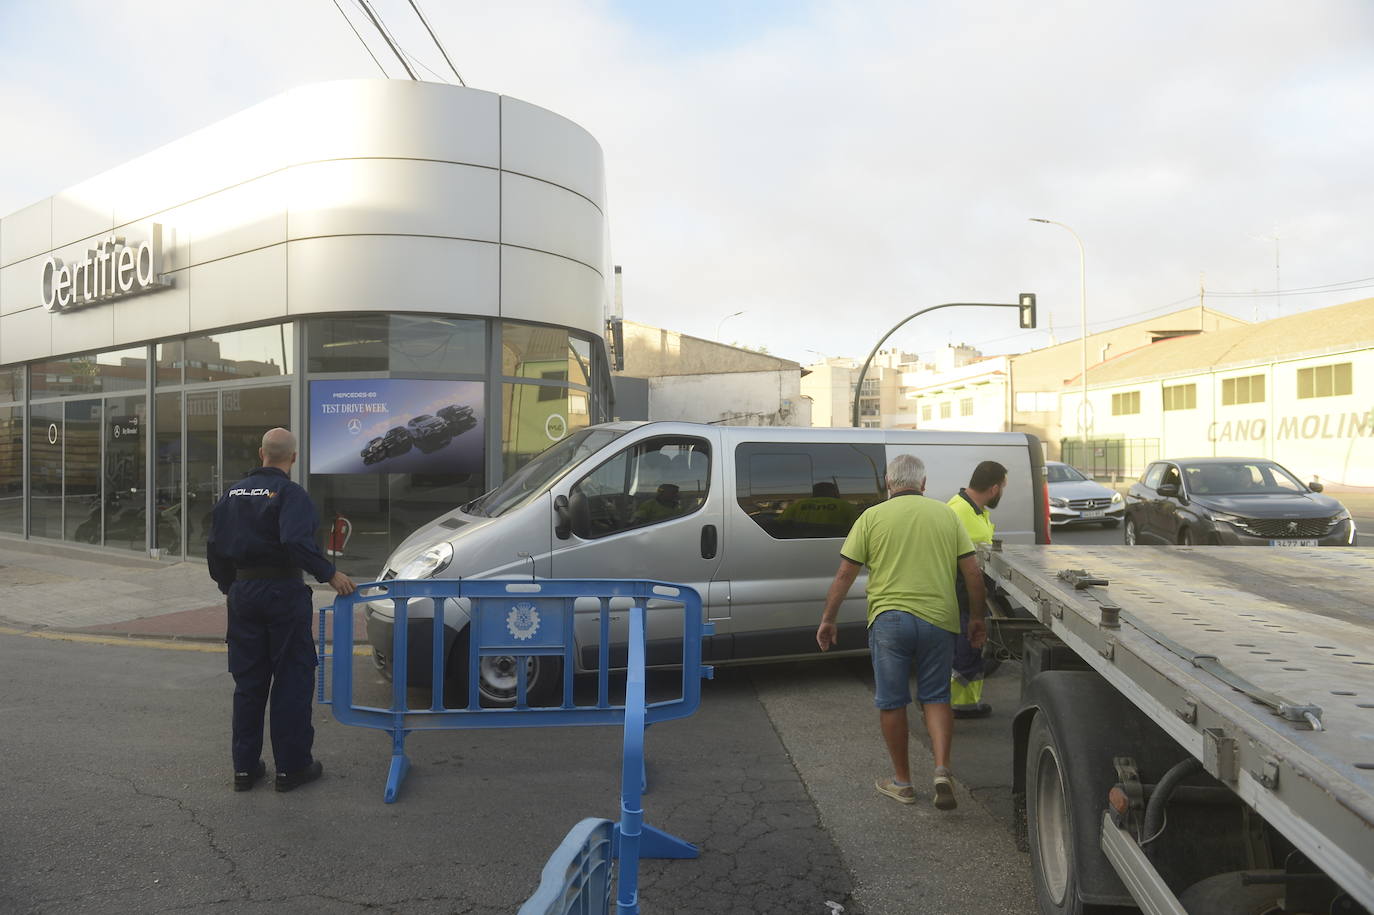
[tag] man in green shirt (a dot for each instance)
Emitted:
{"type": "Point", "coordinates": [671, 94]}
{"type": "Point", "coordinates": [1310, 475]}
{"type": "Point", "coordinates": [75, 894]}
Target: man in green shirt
{"type": "Point", "coordinates": [973, 506]}
{"type": "Point", "coordinates": [912, 547]}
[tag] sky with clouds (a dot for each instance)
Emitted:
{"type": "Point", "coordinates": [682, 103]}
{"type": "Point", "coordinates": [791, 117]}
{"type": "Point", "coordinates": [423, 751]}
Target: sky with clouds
{"type": "Point", "coordinates": [827, 167]}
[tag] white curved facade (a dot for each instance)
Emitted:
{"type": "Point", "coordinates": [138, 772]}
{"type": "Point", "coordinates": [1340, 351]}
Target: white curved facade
{"type": "Point", "coordinates": [445, 246]}
{"type": "Point", "coordinates": [346, 196]}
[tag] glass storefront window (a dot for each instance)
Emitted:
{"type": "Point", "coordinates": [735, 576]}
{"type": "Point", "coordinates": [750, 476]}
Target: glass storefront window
{"type": "Point", "coordinates": [544, 354]}
{"type": "Point", "coordinates": [532, 421]}
{"type": "Point", "coordinates": [45, 470]}
{"type": "Point", "coordinates": [248, 413]}
{"type": "Point", "coordinates": [203, 481]}
{"type": "Point", "coordinates": [397, 343]}
{"type": "Point", "coordinates": [259, 352]}
{"type": "Point", "coordinates": [12, 469]}
{"type": "Point", "coordinates": [168, 362]}
{"type": "Point", "coordinates": [11, 384]}
{"type": "Point", "coordinates": [91, 373]}
{"type": "Point", "coordinates": [81, 471]}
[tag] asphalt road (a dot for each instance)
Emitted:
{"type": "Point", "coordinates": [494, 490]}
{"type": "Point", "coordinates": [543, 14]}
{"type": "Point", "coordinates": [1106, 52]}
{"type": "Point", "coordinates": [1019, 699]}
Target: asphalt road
{"type": "Point", "coordinates": [117, 798]}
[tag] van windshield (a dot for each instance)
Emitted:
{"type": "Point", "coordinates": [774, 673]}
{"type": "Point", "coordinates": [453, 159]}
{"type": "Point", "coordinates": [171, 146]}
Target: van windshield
{"type": "Point", "coordinates": [543, 469]}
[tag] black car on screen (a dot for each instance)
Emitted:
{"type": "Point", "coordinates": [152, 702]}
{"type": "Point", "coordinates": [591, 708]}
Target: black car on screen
{"type": "Point", "coordinates": [429, 431]}
{"type": "Point", "coordinates": [458, 417]}
{"type": "Point", "coordinates": [374, 451]}
{"type": "Point", "coordinates": [1222, 500]}
{"type": "Point", "coordinates": [397, 441]}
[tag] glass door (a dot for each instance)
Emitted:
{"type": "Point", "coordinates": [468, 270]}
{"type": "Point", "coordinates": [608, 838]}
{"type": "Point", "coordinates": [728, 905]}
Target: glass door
{"type": "Point", "coordinates": [167, 475]}
{"type": "Point", "coordinates": [125, 493]}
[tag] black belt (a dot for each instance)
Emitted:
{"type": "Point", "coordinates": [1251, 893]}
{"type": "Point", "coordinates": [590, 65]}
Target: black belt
{"type": "Point", "coordinates": [253, 573]}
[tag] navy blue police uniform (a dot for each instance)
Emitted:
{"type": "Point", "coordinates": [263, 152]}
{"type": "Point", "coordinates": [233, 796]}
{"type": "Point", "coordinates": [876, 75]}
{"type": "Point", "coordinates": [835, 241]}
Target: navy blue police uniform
{"type": "Point", "coordinates": [262, 535]}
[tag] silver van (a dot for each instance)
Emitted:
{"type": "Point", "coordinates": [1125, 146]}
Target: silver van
{"type": "Point", "coordinates": [752, 518]}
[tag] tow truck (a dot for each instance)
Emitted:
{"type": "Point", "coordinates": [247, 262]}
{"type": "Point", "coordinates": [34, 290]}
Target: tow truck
{"type": "Point", "coordinates": [1196, 729]}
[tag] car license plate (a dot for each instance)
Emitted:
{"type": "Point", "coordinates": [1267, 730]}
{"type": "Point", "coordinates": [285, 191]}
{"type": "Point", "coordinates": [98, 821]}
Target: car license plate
{"type": "Point", "coordinates": [1091, 513]}
{"type": "Point", "coordinates": [1293, 543]}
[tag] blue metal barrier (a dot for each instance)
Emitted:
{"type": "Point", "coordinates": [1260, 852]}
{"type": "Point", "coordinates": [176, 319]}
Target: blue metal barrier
{"type": "Point", "coordinates": [506, 618]}
{"type": "Point", "coordinates": [577, 877]}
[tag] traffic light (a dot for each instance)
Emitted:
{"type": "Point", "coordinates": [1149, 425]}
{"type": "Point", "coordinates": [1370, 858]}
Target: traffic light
{"type": "Point", "coordinates": [1028, 310]}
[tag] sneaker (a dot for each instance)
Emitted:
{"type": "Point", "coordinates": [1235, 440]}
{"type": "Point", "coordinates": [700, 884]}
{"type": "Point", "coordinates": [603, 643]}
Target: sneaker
{"type": "Point", "coordinates": [981, 710]}
{"type": "Point", "coordinates": [286, 781]}
{"type": "Point", "coordinates": [902, 794]}
{"type": "Point", "coordinates": [244, 781]}
{"type": "Point", "coordinates": [944, 790]}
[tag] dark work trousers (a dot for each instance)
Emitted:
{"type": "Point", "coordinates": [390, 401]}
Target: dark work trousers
{"type": "Point", "coordinates": [271, 654]}
{"type": "Point", "coordinates": [967, 679]}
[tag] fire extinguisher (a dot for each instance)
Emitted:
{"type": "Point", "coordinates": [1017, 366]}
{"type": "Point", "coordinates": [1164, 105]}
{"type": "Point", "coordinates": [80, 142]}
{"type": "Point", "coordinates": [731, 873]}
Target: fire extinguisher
{"type": "Point", "coordinates": [338, 535]}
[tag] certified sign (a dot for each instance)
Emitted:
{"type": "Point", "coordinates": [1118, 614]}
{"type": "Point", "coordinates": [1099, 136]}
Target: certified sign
{"type": "Point", "coordinates": [111, 270]}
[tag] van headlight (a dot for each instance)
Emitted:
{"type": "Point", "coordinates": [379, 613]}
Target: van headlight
{"type": "Point", "coordinates": [1059, 503]}
{"type": "Point", "coordinates": [429, 563]}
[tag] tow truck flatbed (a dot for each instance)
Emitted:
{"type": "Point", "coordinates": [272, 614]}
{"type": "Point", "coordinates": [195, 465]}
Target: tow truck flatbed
{"type": "Point", "coordinates": [1259, 662]}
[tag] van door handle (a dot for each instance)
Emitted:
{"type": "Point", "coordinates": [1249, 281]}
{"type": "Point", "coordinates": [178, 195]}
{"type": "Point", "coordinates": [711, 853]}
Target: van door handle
{"type": "Point", "coordinates": [708, 542]}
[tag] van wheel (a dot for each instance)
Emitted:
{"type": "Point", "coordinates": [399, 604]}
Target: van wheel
{"type": "Point", "coordinates": [1132, 535]}
{"type": "Point", "coordinates": [496, 678]}
{"type": "Point", "coordinates": [1048, 824]}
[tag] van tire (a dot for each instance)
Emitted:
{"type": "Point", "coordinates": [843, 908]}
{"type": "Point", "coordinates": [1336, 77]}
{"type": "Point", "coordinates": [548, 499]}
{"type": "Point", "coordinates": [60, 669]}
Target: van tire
{"type": "Point", "coordinates": [496, 682]}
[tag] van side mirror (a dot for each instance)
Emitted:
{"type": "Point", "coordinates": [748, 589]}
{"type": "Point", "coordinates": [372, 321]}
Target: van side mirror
{"type": "Point", "coordinates": [1314, 486]}
{"type": "Point", "coordinates": [1168, 490]}
{"type": "Point", "coordinates": [563, 528]}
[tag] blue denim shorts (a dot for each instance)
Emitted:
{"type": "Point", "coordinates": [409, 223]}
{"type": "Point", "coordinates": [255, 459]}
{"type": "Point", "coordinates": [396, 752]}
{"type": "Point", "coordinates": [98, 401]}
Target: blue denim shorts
{"type": "Point", "coordinates": [898, 639]}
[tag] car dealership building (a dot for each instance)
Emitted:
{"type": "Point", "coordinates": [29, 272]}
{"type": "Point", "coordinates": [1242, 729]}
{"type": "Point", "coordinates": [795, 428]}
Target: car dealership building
{"type": "Point", "coordinates": [411, 276]}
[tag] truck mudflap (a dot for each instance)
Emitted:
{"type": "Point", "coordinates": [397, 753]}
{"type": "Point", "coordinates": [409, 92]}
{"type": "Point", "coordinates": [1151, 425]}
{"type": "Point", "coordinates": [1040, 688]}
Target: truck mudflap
{"type": "Point", "coordinates": [1091, 724]}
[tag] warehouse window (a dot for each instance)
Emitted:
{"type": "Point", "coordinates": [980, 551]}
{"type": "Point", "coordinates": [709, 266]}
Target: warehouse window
{"type": "Point", "coordinates": [1246, 389]}
{"type": "Point", "coordinates": [925, 411]}
{"type": "Point", "coordinates": [966, 406]}
{"type": "Point", "coordinates": [945, 410]}
{"type": "Point", "coordinates": [1324, 380]}
{"type": "Point", "coordinates": [1126, 403]}
{"type": "Point", "coordinates": [1180, 397]}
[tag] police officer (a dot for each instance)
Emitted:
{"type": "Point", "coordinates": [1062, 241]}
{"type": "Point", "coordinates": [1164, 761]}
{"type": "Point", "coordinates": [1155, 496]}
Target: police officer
{"type": "Point", "coordinates": [973, 505]}
{"type": "Point", "coordinates": [262, 534]}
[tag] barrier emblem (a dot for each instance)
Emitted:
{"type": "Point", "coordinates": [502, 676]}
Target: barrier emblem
{"type": "Point", "coordinates": [523, 621]}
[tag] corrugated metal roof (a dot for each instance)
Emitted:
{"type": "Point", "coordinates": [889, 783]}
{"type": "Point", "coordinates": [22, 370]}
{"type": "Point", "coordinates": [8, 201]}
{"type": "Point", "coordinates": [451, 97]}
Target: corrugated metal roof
{"type": "Point", "coordinates": [1335, 329]}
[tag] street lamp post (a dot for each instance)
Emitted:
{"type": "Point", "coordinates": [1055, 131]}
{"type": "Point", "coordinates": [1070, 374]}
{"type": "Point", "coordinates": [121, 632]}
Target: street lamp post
{"type": "Point", "coordinates": [721, 323]}
{"type": "Point", "coordinates": [1084, 412]}
{"type": "Point", "coordinates": [1026, 306]}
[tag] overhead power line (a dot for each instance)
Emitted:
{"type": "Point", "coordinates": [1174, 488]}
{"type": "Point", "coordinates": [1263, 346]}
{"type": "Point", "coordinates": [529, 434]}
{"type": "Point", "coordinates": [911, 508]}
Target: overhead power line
{"type": "Point", "coordinates": [359, 37]}
{"type": "Point", "coordinates": [381, 30]}
{"type": "Point", "coordinates": [435, 38]}
{"type": "Point", "coordinates": [1348, 285]}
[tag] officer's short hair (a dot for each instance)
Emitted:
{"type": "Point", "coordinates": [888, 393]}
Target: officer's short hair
{"type": "Point", "coordinates": [987, 475]}
{"type": "Point", "coordinates": [906, 471]}
{"type": "Point", "coordinates": [278, 445]}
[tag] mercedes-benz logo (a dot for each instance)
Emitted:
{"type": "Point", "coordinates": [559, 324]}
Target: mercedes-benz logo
{"type": "Point", "coordinates": [355, 426]}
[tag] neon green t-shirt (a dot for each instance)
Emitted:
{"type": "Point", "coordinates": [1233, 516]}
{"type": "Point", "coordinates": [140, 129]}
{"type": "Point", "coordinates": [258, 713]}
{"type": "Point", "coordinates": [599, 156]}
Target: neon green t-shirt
{"type": "Point", "coordinates": [978, 524]}
{"type": "Point", "coordinates": [912, 546]}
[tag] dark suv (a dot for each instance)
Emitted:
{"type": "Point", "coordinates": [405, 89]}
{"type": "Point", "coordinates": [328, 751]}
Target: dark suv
{"type": "Point", "coordinates": [429, 431]}
{"type": "Point", "coordinates": [397, 441]}
{"type": "Point", "coordinates": [374, 451]}
{"type": "Point", "coordinates": [458, 417]}
{"type": "Point", "coordinates": [1232, 501]}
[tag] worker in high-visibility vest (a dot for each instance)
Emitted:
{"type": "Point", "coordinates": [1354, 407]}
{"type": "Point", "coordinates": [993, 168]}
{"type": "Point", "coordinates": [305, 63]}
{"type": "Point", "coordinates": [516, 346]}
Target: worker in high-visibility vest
{"type": "Point", "coordinates": [973, 506]}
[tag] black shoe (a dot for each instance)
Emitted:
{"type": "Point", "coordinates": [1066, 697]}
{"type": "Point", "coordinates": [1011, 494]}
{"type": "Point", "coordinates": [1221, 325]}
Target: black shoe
{"type": "Point", "coordinates": [286, 781]}
{"type": "Point", "coordinates": [243, 781]}
{"type": "Point", "coordinates": [981, 710]}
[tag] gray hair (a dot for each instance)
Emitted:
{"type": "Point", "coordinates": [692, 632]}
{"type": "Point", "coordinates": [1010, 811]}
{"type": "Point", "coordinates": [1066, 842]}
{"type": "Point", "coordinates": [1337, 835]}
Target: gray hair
{"type": "Point", "coordinates": [906, 471]}
{"type": "Point", "coordinates": [278, 445]}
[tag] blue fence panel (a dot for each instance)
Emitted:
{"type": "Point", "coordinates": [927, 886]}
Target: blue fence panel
{"type": "Point", "coordinates": [518, 619]}
{"type": "Point", "coordinates": [577, 879]}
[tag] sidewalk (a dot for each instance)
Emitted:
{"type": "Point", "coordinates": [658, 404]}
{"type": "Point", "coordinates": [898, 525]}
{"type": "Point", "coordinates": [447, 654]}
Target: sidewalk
{"type": "Point", "coordinates": [73, 589]}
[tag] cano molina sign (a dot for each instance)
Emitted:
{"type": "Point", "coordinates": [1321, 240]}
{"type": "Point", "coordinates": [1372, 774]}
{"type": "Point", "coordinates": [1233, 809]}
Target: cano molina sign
{"type": "Point", "coordinates": [112, 270]}
{"type": "Point", "coordinates": [1311, 426]}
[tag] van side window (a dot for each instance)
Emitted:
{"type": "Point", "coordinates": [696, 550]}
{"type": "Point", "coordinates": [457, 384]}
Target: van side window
{"type": "Point", "coordinates": [653, 481]}
{"type": "Point", "coordinates": [800, 491]}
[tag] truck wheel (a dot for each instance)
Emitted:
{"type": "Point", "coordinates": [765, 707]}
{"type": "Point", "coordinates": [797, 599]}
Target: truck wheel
{"type": "Point", "coordinates": [1226, 894]}
{"type": "Point", "coordinates": [1048, 823]}
{"type": "Point", "coordinates": [1132, 534]}
{"type": "Point", "coordinates": [496, 683]}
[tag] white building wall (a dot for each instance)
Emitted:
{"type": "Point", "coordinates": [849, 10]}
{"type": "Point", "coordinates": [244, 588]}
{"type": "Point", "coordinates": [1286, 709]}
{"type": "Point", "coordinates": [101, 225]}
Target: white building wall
{"type": "Point", "coordinates": [736, 399]}
{"type": "Point", "coordinates": [1328, 438]}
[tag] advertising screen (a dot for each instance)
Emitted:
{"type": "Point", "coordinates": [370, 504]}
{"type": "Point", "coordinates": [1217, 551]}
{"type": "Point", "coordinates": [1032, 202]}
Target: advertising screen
{"type": "Point", "coordinates": [394, 425]}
